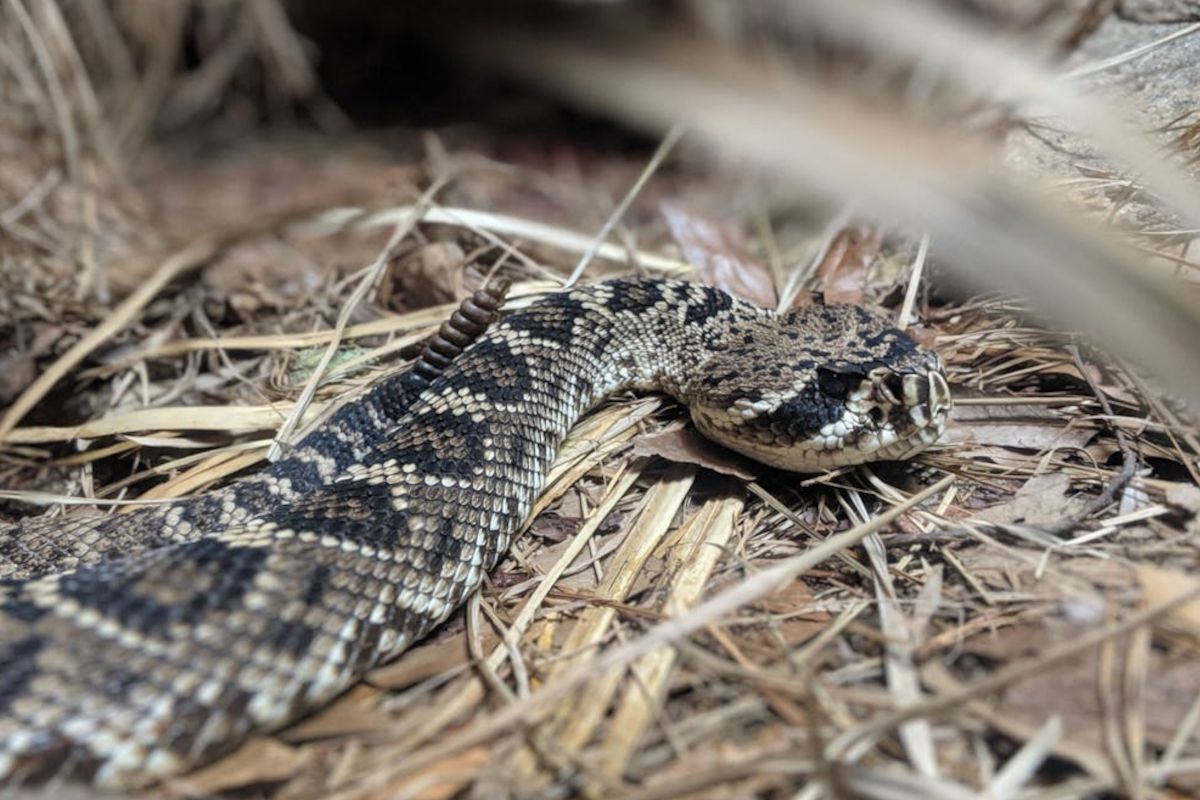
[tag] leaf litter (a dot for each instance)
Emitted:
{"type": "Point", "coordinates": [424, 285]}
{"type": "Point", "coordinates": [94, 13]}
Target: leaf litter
{"type": "Point", "coordinates": [936, 657]}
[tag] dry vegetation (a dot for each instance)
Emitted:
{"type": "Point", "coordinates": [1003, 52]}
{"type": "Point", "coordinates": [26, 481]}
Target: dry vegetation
{"type": "Point", "coordinates": [1012, 615]}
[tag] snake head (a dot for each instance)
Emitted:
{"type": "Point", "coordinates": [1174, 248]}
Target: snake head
{"type": "Point", "coordinates": [829, 387]}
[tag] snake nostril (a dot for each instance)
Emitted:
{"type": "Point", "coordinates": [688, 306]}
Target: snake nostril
{"type": "Point", "coordinates": [893, 388]}
{"type": "Point", "coordinates": [938, 393]}
{"type": "Point", "coordinates": [876, 414]}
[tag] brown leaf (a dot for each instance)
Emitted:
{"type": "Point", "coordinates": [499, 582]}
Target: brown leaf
{"type": "Point", "coordinates": [438, 781]}
{"type": "Point", "coordinates": [1015, 568]}
{"type": "Point", "coordinates": [262, 760]}
{"type": "Point", "coordinates": [353, 713]}
{"type": "Point", "coordinates": [1161, 585]}
{"type": "Point", "coordinates": [1041, 499]}
{"type": "Point", "coordinates": [843, 270]}
{"type": "Point", "coordinates": [718, 259]}
{"type": "Point", "coordinates": [425, 661]}
{"type": "Point", "coordinates": [1071, 691]}
{"type": "Point", "coordinates": [428, 276]}
{"type": "Point", "coordinates": [1026, 434]}
{"type": "Point", "coordinates": [686, 446]}
{"type": "Point", "coordinates": [794, 621]}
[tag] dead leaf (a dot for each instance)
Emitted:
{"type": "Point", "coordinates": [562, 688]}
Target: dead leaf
{"type": "Point", "coordinates": [428, 276]}
{"type": "Point", "coordinates": [353, 713]}
{"type": "Point", "coordinates": [263, 760]}
{"type": "Point", "coordinates": [438, 781]}
{"type": "Point", "coordinates": [425, 661]}
{"type": "Point", "coordinates": [1025, 434]}
{"type": "Point", "coordinates": [1027, 427]}
{"type": "Point", "coordinates": [686, 446]}
{"type": "Point", "coordinates": [19, 368]}
{"type": "Point", "coordinates": [718, 259]}
{"type": "Point", "coordinates": [843, 270]}
{"type": "Point", "coordinates": [1041, 499]}
{"type": "Point", "coordinates": [257, 274]}
{"type": "Point", "coordinates": [1015, 569]}
{"type": "Point", "coordinates": [796, 621]}
{"type": "Point", "coordinates": [1161, 585]}
{"type": "Point", "coordinates": [1071, 691]}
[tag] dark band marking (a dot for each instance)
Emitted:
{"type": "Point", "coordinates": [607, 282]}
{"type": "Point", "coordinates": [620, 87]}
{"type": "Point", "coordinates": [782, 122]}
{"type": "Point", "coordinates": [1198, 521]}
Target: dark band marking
{"type": "Point", "coordinates": [18, 666]}
{"type": "Point", "coordinates": [200, 577]}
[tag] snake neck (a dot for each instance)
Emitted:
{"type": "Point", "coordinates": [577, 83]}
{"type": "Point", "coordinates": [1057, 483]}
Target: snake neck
{"type": "Point", "coordinates": [648, 335]}
{"type": "Point", "coordinates": [490, 426]}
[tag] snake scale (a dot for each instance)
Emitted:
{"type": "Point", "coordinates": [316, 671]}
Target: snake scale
{"type": "Point", "coordinates": [137, 646]}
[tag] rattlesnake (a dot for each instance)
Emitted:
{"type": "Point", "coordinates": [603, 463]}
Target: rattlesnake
{"type": "Point", "coordinates": [141, 645]}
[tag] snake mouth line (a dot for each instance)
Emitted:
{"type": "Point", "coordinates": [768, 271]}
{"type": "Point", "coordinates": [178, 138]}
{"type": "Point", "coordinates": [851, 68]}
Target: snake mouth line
{"type": "Point", "coordinates": [887, 416]}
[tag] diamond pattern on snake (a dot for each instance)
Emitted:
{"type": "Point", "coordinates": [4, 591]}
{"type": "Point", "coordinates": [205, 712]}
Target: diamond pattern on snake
{"type": "Point", "coordinates": [139, 646]}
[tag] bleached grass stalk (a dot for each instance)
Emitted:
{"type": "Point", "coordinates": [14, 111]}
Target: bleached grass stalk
{"type": "Point", "coordinates": [175, 265]}
{"type": "Point", "coordinates": [746, 591]}
{"type": "Point", "coordinates": [914, 283]}
{"type": "Point", "coordinates": [568, 241]}
{"type": "Point", "coordinates": [1131, 54]}
{"type": "Point", "coordinates": [1014, 672]}
{"type": "Point", "coordinates": [664, 148]}
{"type": "Point", "coordinates": [368, 282]}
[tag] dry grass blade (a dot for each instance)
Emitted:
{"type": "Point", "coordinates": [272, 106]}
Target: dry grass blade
{"type": "Point", "coordinates": [575, 719]}
{"type": "Point", "coordinates": [1001, 69]}
{"type": "Point", "coordinates": [368, 281]}
{"type": "Point", "coordinates": [1091, 760]}
{"type": "Point", "coordinates": [904, 635]}
{"type": "Point", "coordinates": [702, 540]}
{"type": "Point", "coordinates": [208, 472]}
{"type": "Point", "coordinates": [664, 148]}
{"type": "Point", "coordinates": [233, 419]}
{"type": "Point", "coordinates": [1019, 769]}
{"type": "Point", "coordinates": [914, 283]}
{"type": "Point", "coordinates": [1008, 675]}
{"type": "Point", "coordinates": [1130, 55]}
{"type": "Point", "coordinates": [539, 232]}
{"type": "Point", "coordinates": [671, 630]}
{"type": "Point", "coordinates": [893, 784]}
{"type": "Point", "coordinates": [175, 265]}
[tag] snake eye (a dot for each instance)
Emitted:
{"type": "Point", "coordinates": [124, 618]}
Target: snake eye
{"type": "Point", "coordinates": [837, 384]}
{"type": "Point", "coordinates": [890, 389]}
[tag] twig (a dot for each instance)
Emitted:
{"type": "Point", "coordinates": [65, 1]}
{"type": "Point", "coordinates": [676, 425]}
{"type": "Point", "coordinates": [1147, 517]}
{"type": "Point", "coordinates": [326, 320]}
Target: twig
{"type": "Point", "coordinates": [664, 147]}
{"type": "Point", "coordinates": [178, 263]}
{"type": "Point", "coordinates": [368, 281]}
{"type": "Point", "coordinates": [1000, 679]}
{"type": "Point", "coordinates": [1130, 55]}
{"type": "Point", "coordinates": [748, 590]}
{"type": "Point", "coordinates": [1129, 461]}
{"type": "Point", "coordinates": [914, 282]}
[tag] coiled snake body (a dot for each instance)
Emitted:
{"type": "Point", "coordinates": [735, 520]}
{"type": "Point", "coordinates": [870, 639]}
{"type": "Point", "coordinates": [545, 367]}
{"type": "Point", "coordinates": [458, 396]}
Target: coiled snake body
{"type": "Point", "coordinates": [138, 646]}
